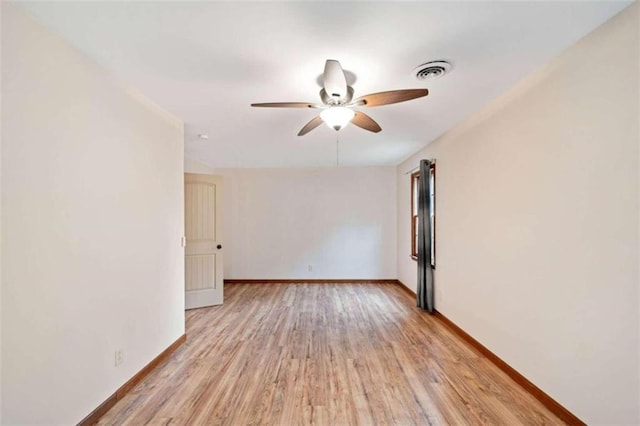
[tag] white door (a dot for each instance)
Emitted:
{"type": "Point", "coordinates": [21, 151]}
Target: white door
{"type": "Point", "coordinates": [203, 251]}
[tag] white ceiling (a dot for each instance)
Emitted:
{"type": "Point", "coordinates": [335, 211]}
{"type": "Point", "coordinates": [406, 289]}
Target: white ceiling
{"type": "Point", "coordinates": [206, 62]}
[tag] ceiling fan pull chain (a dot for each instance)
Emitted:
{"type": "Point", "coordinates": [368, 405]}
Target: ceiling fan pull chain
{"type": "Point", "coordinates": [337, 149]}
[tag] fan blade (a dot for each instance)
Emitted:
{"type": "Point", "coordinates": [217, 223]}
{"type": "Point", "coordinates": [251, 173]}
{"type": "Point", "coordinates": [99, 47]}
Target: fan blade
{"type": "Point", "coordinates": [390, 97]}
{"type": "Point", "coordinates": [285, 105]}
{"type": "Point", "coordinates": [363, 120]}
{"type": "Point", "coordinates": [335, 83]}
{"type": "Point", "coordinates": [315, 122]}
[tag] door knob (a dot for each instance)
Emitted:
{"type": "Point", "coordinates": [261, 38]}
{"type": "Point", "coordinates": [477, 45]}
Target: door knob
{"type": "Point", "coordinates": [219, 246]}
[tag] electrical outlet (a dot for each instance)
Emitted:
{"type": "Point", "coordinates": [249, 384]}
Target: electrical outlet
{"type": "Point", "coordinates": [310, 268]}
{"type": "Point", "coordinates": [118, 357]}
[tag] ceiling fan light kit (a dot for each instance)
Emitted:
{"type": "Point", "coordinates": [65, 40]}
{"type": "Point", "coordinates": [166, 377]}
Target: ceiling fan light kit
{"type": "Point", "coordinates": [337, 102]}
{"type": "Point", "coordinates": [337, 117]}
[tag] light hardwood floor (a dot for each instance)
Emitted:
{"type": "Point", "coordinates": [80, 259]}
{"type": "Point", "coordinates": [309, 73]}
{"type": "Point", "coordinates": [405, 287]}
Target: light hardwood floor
{"type": "Point", "coordinates": [326, 354]}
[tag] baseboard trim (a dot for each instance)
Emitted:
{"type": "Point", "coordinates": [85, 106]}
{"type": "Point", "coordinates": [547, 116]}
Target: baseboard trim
{"type": "Point", "coordinates": [102, 409]}
{"type": "Point", "coordinates": [309, 281]}
{"type": "Point", "coordinates": [124, 389]}
{"type": "Point", "coordinates": [550, 403]}
{"type": "Point", "coordinates": [96, 414]}
{"type": "Point", "coordinates": [406, 289]}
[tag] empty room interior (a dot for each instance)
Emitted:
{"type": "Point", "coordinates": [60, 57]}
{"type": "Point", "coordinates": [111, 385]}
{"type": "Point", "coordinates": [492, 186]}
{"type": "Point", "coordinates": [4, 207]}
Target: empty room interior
{"type": "Point", "coordinates": [333, 213]}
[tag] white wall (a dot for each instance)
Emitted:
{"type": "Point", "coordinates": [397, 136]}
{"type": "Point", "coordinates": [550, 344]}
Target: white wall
{"type": "Point", "coordinates": [92, 214]}
{"type": "Point", "coordinates": [277, 222]}
{"type": "Point", "coordinates": [537, 225]}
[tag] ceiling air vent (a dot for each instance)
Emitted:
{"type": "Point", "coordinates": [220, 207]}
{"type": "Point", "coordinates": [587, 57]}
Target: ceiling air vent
{"type": "Point", "coordinates": [431, 70]}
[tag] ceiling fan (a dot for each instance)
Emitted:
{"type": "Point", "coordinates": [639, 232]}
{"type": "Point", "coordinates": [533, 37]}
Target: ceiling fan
{"type": "Point", "coordinates": [338, 103]}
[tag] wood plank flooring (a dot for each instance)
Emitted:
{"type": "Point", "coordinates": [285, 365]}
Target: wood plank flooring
{"type": "Point", "coordinates": [325, 354]}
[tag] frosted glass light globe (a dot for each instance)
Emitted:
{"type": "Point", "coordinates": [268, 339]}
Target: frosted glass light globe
{"type": "Point", "coordinates": [337, 117]}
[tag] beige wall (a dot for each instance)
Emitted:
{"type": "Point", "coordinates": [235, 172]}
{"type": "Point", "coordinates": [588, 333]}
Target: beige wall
{"type": "Point", "coordinates": [537, 225]}
{"type": "Point", "coordinates": [1, 8]}
{"type": "Point", "coordinates": [637, 12]}
{"type": "Point", "coordinates": [92, 215]}
{"type": "Point", "coordinates": [277, 222]}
